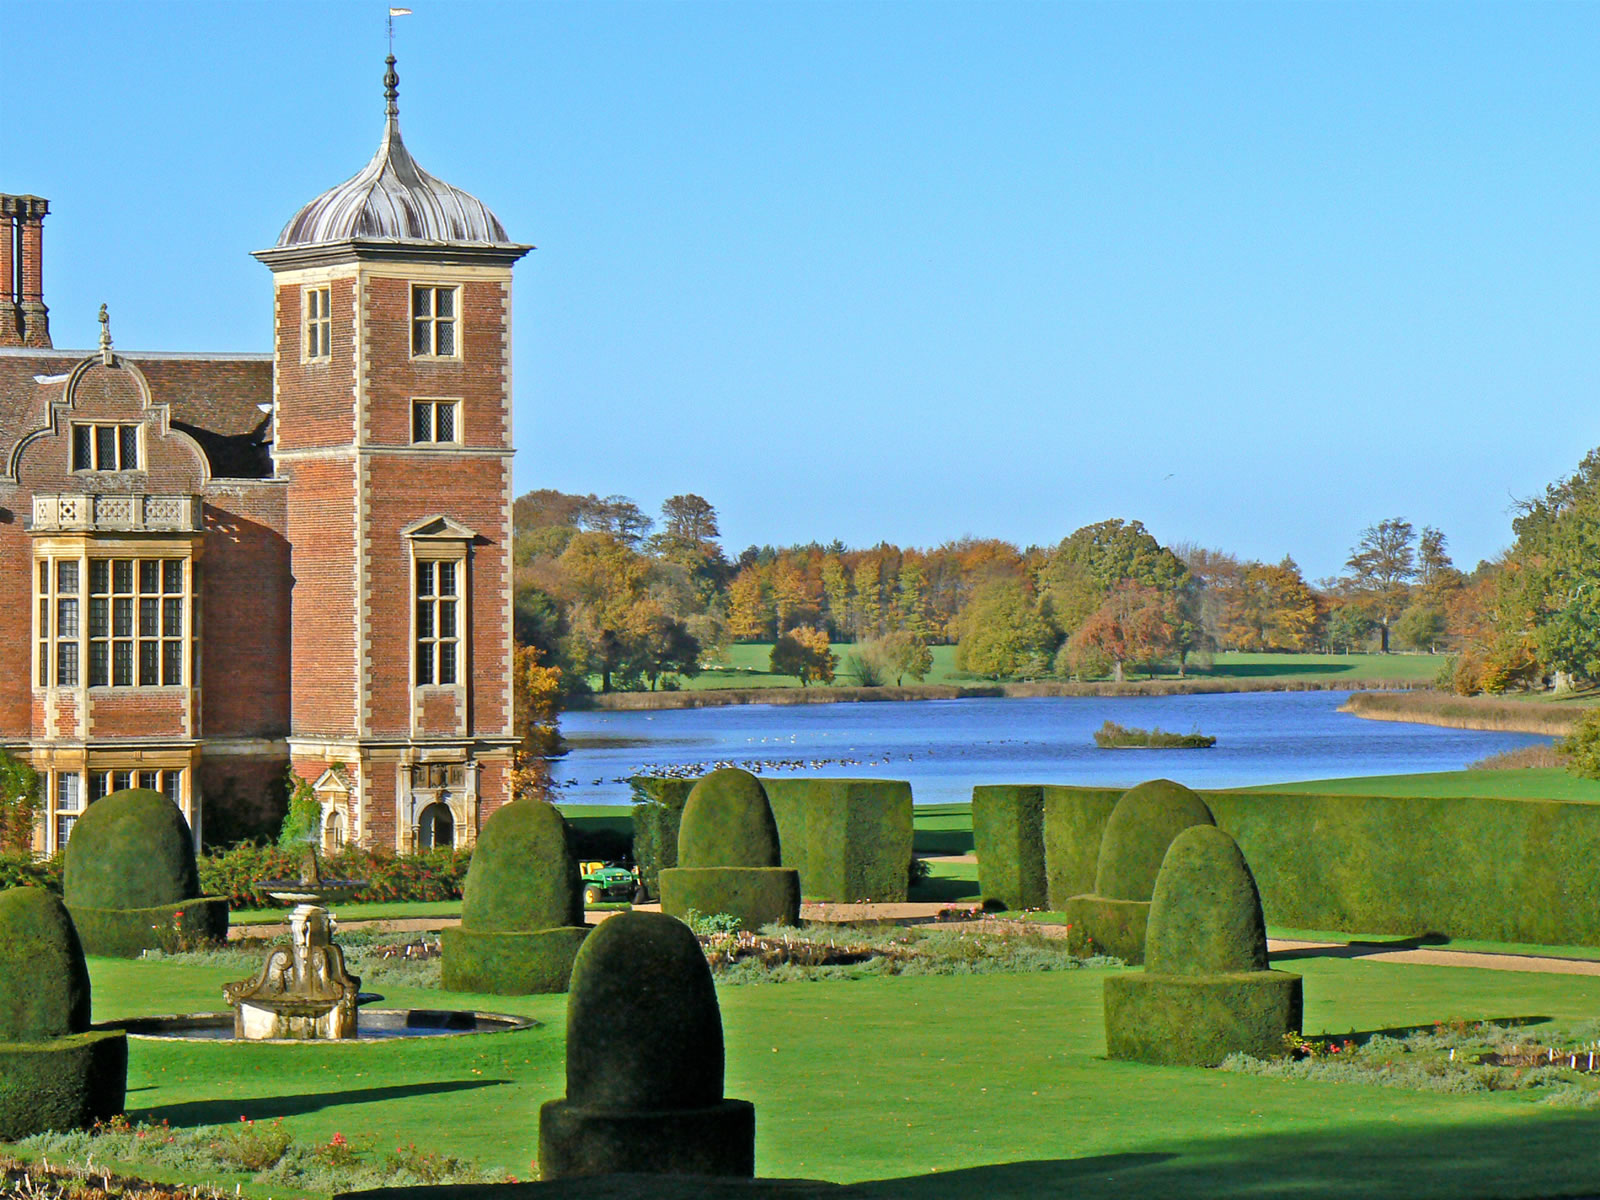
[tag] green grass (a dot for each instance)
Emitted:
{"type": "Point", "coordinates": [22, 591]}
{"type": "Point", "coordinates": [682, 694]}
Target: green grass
{"type": "Point", "coordinates": [378, 910]}
{"type": "Point", "coordinates": [1529, 783]}
{"type": "Point", "coordinates": [900, 1078]}
{"type": "Point", "coordinates": [746, 665]}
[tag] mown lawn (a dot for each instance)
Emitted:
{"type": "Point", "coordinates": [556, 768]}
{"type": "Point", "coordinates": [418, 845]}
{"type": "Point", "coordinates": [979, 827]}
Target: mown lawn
{"type": "Point", "coordinates": [999, 1078]}
{"type": "Point", "coordinates": [1525, 783]}
{"type": "Point", "coordinates": [746, 665]}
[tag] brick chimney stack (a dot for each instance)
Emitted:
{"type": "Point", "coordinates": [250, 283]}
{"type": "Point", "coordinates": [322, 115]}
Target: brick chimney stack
{"type": "Point", "coordinates": [24, 319]}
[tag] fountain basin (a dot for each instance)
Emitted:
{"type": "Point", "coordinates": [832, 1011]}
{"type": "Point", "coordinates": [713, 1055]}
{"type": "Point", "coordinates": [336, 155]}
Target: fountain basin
{"type": "Point", "coordinates": [377, 1025]}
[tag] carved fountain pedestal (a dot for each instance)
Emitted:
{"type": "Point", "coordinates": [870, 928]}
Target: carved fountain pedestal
{"type": "Point", "coordinates": [302, 991]}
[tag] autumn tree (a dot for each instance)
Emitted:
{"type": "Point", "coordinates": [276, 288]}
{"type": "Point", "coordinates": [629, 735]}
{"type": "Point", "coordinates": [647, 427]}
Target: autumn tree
{"type": "Point", "coordinates": [1001, 632]}
{"type": "Point", "coordinates": [1270, 608]}
{"type": "Point", "coordinates": [1135, 625]}
{"type": "Point", "coordinates": [1381, 567]}
{"type": "Point", "coordinates": [804, 653]}
{"type": "Point", "coordinates": [749, 606]}
{"type": "Point", "coordinates": [536, 691]}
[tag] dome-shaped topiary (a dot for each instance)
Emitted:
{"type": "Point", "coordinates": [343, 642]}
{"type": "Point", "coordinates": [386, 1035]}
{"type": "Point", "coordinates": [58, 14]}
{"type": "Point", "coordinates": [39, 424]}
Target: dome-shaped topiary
{"type": "Point", "coordinates": [44, 982]}
{"type": "Point", "coordinates": [522, 876]}
{"type": "Point", "coordinates": [1137, 835]}
{"type": "Point", "coordinates": [644, 1062]}
{"type": "Point", "coordinates": [132, 849]}
{"type": "Point", "coordinates": [643, 1028]}
{"type": "Point", "coordinates": [1205, 916]}
{"type": "Point", "coordinates": [728, 822]}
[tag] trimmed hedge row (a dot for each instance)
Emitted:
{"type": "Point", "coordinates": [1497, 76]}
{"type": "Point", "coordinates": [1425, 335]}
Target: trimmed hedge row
{"type": "Point", "coordinates": [431, 875]}
{"type": "Point", "coordinates": [1198, 1020]}
{"type": "Point", "coordinates": [850, 839]}
{"type": "Point", "coordinates": [1469, 867]}
{"type": "Point", "coordinates": [69, 1082]}
{"type": "Point", "coordinates": [509, 964]}
{"type": "Point", "coordinates": [129, 932]}
{"type": "Point", "coordinates": [1008, 838]}
{"type": "Point", "coordinates": [657, 813]}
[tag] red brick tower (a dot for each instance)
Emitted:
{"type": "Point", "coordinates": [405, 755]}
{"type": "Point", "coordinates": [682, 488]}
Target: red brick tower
{"type": "Point", "coordinates": [392, 412]}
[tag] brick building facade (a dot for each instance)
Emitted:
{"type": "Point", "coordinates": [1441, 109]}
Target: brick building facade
{"type": "Point", "coordinates": [223, 564]}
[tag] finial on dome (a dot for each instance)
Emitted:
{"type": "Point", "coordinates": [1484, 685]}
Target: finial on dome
{"type": "Point", "coordinates": [391, 89]}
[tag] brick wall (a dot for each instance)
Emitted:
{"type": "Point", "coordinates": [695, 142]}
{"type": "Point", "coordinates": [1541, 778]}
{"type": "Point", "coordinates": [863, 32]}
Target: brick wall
{"type": "Point", "coordinates": [321, 532]}
{"type": "Point", "coordinates": [401, 489]}
{"type": "Point", "coordinates": [316, 400]}
{"type": "Point", "coordinates": [245, 612]}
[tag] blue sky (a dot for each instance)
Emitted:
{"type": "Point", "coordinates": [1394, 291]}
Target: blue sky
{"type": "Point", "coordinates": [1258, 275]}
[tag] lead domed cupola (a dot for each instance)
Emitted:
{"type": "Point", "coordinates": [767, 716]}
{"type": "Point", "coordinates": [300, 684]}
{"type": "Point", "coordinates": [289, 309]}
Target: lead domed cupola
{"type": "Point", "coordinates": [393, 203]}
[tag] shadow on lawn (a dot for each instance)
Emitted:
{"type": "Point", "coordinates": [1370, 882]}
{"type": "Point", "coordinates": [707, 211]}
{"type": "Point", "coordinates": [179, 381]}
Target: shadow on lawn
{"type": "Point", "coordinates": [1531, 1154]}
{"type": "Point", "coordinates": [1361, 949]}
{"type": "Point", "coordinates": [269, 1108]}
{"type": "Point", "coordinates": [1260, 670]}
{"type": "Point", "coordinates": [937, 890]}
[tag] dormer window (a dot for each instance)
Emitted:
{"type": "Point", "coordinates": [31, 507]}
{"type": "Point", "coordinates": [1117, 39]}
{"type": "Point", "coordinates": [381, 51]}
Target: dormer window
{"type": "Point", "coordinates": [433, 321]}
{"type": "Point", "coordinates": [318, 323]}
{"type": "Point", "coordinates": [105, 447]}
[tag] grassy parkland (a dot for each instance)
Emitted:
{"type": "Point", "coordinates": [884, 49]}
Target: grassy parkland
{"type": "Point", "coordinates": [744, 673]}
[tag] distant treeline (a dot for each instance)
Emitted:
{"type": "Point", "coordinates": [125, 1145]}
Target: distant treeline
{"type": "Point", "coordinates": [606, 592]}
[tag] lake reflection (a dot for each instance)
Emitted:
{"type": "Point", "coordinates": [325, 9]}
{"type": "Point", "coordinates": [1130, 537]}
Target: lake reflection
{"type": "Point", "coordinates": [944, 747]}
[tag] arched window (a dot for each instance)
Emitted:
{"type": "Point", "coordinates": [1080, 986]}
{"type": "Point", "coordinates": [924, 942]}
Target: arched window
{"type": "Point", "coordinates": [435, 827]}
{"type": "Point", "coordinates": [333, 831]}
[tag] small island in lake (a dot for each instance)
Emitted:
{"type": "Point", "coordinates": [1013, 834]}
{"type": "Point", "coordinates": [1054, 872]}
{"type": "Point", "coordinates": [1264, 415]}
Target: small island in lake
{"type": "Point", "coordinates": [1112, 736]}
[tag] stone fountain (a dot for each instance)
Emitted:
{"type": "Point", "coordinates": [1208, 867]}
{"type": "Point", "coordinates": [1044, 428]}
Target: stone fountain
{"type": "Point", "coordinates": [302, 991]}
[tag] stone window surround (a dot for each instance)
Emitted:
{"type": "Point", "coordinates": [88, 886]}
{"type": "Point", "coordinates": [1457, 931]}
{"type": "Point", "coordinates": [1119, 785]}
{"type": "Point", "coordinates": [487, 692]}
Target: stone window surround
{"type": "Point", "coordinates": [46, 612]}
{"type": "Point", "coordinates": [434, 321]}
{"type": "Point", "coordinates": [316, 323]}
{"type": "Point", "coordinates": [434, 404]}
{"type": "Point", "coordinates": [127, 442]}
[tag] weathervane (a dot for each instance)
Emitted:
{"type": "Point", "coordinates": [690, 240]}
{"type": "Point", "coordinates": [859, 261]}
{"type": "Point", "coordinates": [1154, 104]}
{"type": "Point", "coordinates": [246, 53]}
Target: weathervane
{"type": "Point", "coordinates": [393, 13]}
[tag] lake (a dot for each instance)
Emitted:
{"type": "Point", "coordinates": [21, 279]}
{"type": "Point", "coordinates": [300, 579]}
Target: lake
{"type": "Point", "coordinates": [944, 747]}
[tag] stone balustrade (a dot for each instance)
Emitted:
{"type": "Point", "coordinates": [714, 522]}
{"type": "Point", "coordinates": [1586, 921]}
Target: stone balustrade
{"type": "Point", "coordinates": [115, 512]}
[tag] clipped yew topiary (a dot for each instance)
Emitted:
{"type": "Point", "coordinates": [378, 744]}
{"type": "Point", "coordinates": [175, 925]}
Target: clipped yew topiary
{"type": "Point", "coordinates": [728, 856]}
{"type": "Point", "coordinates": [850, 839]}
{"type": "Point", "coordinates": [1135, 841]}
{"type": "Point", "coordinates": [55, 1072]}
{"type": "Point", "coordinates": [521, 907]}
{"type": "Point", "coordinates": [1008, 839]}
{"type": "Point", "coordinates": [1206, 990]}
{"type": "Point", "coordinates": [130, 882]}
{"type": "Point", "coordinates": [644, 1062]}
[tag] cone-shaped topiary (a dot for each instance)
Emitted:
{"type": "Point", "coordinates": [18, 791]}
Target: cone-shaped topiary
{"type": "Point", "coordinates": [130, 881]}
{"type": "Point", "coordinates": [1206, 990]}
{"type": "Point", "coordinates": [521, 907]}
{"type": "Point", "coordinates": [55, 1073]}
{"type": "Point", "coordinates": [1135, 841]}
{"type": "Point", "coordinates": [728, 855]}
{"type": "Point", "coordinates": [644, 1062]}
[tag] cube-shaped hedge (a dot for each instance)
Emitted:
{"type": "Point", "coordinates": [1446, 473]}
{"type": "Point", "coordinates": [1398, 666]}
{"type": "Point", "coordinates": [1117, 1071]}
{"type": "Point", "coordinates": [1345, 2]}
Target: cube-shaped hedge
{"type": "Point", "coordinates": [1008, 838]}
{"type": "Point", "coordinates": [850, 839]}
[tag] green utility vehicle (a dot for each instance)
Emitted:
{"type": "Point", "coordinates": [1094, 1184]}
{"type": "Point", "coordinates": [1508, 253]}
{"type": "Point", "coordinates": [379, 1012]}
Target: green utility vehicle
{"type": "Point", "coordinates": [607, 881]}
